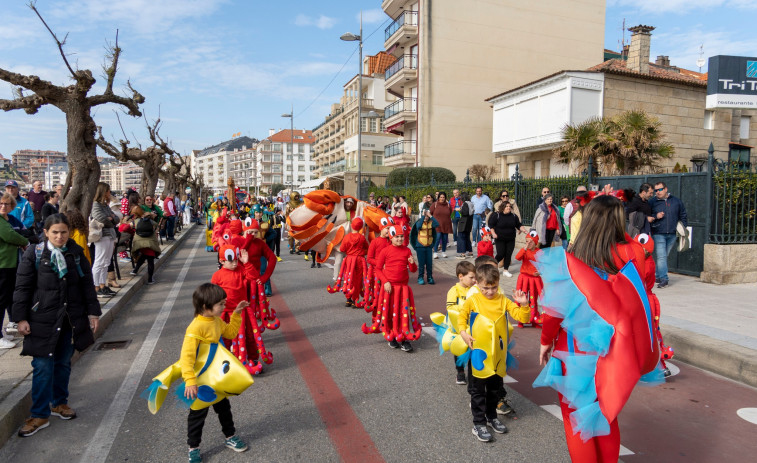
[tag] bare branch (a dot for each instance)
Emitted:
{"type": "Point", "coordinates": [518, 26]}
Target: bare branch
{"type": "Point", "coordinates": [33, 6]}
{"type": "Point", "coordinates": [41, 87]}
{"type": "Point", "coordinates": [112, 54]}
{"type": "Point", "coordinates": [30, 104]}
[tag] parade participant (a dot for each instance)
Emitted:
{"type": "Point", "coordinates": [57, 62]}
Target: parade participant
{"type": "Point", "coordinates": [598, 321]}
{"type": "Point", "coordinates": [353, 270]}
{"type": "Point", "coordinates": [266, 233]}
{"type": "Point", "coordinates": [466, 276]}
{"type": "Point", "coordinates": [396, 302]}
{"type": "Point", "coordinates": [277, 221]}
{"type": "Point", "coordinates": [350, 208]}
{"type": "Point", "coordinates": [372, 281]}
{"type": "Point", "coordinates": [294, 202]}
{"type": "Point", "coordinates": [485, 329]}
{"type": "Point", "coordinates": [402, 221]}
{"type": "Point", "coordinates": [209, 303]}
{"type": "Point", "coordinates": [423, 238]}
{"type": "Point", "coordinates": [528, 280]}
{"type": "Point", "coordinates": [53, 304]}
{"type": "Point", "coordinates": [485, 246]}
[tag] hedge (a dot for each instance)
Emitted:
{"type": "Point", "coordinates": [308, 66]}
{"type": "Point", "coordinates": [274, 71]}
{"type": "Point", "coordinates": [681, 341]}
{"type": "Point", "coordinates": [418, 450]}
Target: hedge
{"type": "Point", "coordinates": [419, 176]}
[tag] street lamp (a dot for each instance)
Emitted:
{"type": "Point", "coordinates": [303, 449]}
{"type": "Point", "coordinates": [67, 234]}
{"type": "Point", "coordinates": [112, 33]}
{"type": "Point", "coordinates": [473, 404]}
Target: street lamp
{"type": "Point", "coordinates": [350, 37]}
{"type": "Point", "coordinates": [291, 132]}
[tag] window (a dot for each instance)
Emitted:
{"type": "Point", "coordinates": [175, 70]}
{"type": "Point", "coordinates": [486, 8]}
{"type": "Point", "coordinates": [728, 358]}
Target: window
{"type": "Point", "coordinates": [300, 179]}
{"type": "Point", "coordinates": [277, 168]}
{"type": "Point", "coordinates": [277, 179]}
{"type": "Point", "coordinates": [378, 159]}
{"type": "Point", "coordinates": [744, 127]}
{"type": "Point", "coordinates": [363, 124]}
{"type": "Point", "coordinates": [301, 168]}
{"type": "Point", "coordinates": [373, 124]}
{"type": "Point", "coordinates": [276, 158]}
{"type": "Point", "coordinates": [289, 179]}
{"type": "Point", "coordinates": [289, 167]}
{"type": "Point", "coordinates": [709, 120]}
{"type": "Point", "coordinates": [276, 147]}
{"type": "Point", "coordinates": [301, 157]}
{"type": "Point", "coordinates": [289, 157]}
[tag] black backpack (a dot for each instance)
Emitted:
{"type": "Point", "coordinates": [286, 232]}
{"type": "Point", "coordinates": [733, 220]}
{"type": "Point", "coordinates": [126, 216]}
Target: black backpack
{"type": "Point", "coordinates": [144, 228]}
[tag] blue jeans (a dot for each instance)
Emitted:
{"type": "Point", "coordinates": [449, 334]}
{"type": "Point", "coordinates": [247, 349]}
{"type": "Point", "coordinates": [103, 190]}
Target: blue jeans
{"type": "Point", "coordinates": [463, 243]}
{"type": "Point", "coordinates": [443, 240]}
{"type": "Point", "coordinates": [170, 224]}
{"type": "Point", "coordinates": [663, 243]}
{"type": "Point", "coordinates": [477, 219]}
{"type": "Point", "coordinates": [51, 375]}
{"type": "Point", "coordinates": [425, 254]}
{"type": "Point", "coordinates": [454, 228]}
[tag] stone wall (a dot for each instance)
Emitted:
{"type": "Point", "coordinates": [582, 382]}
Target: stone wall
{"type": "Point", "coordinates": [731, 263]}
{"type": "Point", "coordinates": [681, 109]}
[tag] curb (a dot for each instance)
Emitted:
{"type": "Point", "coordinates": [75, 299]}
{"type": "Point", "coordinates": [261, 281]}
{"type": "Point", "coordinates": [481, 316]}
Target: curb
{"type": "Point", "coordinates": [720, 357]}
{"type": "Point", "coordinates": [14, 408]}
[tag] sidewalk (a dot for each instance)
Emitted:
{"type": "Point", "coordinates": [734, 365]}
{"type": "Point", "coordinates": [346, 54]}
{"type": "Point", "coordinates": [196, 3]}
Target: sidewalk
{"type": "Point", "coordinates": [15, 370]}
{"type": "Point", "coordinates": [713, 327]}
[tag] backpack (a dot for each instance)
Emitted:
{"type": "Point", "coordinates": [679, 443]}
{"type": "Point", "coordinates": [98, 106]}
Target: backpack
{"type": "Point", "coordinates": [144, 228]}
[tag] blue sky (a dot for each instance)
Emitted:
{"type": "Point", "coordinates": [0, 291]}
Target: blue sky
{"type": "Point", "coordinates": [216, 67]}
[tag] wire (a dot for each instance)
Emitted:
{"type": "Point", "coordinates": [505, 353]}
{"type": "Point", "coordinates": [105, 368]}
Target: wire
{"type": "Point", "coordinates": [340, 70]}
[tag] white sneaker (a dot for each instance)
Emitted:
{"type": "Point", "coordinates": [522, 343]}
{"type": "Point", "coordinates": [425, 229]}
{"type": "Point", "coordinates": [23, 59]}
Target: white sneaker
{"type": "Point", "coordinates": [444, 254]}
{"type": "Point", "coordinates": [507, 274]}
{"type": "Point", "coordinates": [7, 344]}
{"type": "Point", "coordinates": [436, 256]}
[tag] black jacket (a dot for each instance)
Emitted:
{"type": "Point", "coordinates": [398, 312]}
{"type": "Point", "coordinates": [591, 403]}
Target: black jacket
{"type": "Point", "coordinates": [504, 225]}
{"type": "Point", "coordinates": [69, 299]}
{"type": "Point", "coordinates": [466, 218]}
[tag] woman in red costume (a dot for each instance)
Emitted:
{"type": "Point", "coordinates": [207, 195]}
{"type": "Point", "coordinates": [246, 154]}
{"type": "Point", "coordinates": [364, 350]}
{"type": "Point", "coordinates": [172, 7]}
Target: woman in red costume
{"type": "Point", "coordinates": [598, 320]}
{"type": "Point", "coordinates": [372, 284]}
{"type": "Point", "coordinates": [353, 269]}
{"type": "Point", "coordinates": [529, 280]}
{"type": "Point", "coordinates": [399, 323]}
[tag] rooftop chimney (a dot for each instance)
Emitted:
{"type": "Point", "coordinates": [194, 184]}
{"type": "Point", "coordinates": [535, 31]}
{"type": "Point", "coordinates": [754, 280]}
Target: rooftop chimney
{"type": "Point", "coordinates": [271, 132]}
{"type": "Point", "coordinates": [662, 60]}
{"type": "Point", "coordinates": [638, 54]}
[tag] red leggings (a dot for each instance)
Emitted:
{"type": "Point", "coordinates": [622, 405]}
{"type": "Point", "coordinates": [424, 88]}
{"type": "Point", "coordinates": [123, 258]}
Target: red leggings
{"type": "Point", "coordinates": [602, 449]}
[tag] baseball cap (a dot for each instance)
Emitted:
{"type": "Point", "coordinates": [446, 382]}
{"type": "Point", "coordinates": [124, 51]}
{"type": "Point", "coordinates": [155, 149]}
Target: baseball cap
{"type": "Point", "coordinates": [12, 183]}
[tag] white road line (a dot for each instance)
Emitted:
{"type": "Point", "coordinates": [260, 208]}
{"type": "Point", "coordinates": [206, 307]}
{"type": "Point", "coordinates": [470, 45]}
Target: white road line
{"type": "Point", "coordinates": [555, 411]}
{"type": "Point", "coordinates": [748, 414]}
{"type": "Point", "coordinates": [99, 447]}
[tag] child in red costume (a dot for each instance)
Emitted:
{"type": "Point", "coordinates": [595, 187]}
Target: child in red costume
{"type": "Point", "coordinates": [396, 303]}
{"type": "Point", "coordinates": [529, 280]}
{"type": "Point", "coordinates": [402, 223]}
{"type": "Point", "coordinates": [485, 246]}
{"type": "Point", "coordinates": [353, 269]}
{"type": "Point", "coordinates": [372, 282]}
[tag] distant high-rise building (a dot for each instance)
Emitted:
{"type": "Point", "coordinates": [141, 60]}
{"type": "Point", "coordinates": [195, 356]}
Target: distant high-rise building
{"type": "Point", "coordinates": [215, 162]}
{"type": "Point", "coordinates": [28, 162]}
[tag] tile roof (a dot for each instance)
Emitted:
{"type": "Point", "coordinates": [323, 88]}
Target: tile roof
{"type": "Point", "coordinates": [656, 72]}
{"type": "Point", "coordinates": [378, 63]}
{"type": "Point", "coordinates": [285, 136]}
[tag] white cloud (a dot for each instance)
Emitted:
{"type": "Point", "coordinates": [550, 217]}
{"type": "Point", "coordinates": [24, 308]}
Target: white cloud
{"type": "Point", "coordinates": [681, 6]}
{"type": "Point", "coordinates": [683, 49]}
{"type": "Point", "coordinates": [373, 16]}
{"type": "Point", "coordinates": [321, 22]}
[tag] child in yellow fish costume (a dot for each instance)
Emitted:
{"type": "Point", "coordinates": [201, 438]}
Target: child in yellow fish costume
{"type": "Point", "coordinates": [210, 372]}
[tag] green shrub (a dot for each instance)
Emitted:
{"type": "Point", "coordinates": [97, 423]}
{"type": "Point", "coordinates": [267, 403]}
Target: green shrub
{"type": "Point", "coordinates": [419, 176]}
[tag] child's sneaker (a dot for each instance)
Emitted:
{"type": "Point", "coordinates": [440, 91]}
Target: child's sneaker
{"type": "Point", "coordinates": [504, 407]}
{"type": "Point", "coordinates": [406, 346]}
{"type": "Point", "coordinates": [394, 344]}
{"type": "Point", "coordinates": [236, 444]}
{"type": "Point", "coordinates": [497, 426]}
{"type": "Point", "coordinates": [431, 281]}
{"type": "Point", "coordinates": [460, 378]}
{"type": "Point", "coordinates": [421, 281]}
{"type": "Point", "coordinates": [482, 433]}
{"type": "Point", "coordinates": [194, 456]}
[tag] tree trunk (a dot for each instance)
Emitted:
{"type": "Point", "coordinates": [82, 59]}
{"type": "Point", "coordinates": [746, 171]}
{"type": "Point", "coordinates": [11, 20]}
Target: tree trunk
{"type": "Point", "coordinates": [83, 168]}
{"type": "Point", "coordinates": [150, 176]}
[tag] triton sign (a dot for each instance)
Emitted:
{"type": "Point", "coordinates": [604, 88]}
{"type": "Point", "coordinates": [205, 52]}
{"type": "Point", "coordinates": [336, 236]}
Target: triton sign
{"type": "Point", "coordinates": [732, 82]}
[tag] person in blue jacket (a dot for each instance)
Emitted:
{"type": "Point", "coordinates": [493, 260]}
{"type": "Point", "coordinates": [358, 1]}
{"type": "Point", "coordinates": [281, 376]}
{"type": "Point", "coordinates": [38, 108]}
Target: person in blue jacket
{"type": "Point", "coordinates": [23, 210]}
{"type": "Point", "coordinates": [667, 211]}
{"type": "Point", "coordinates": [423, 239]}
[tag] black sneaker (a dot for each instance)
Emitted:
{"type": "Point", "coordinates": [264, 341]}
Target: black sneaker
{"type": "Point", "coordinates": [349, 303]}
{"type": "Point", "coordinates": [103, 294]}
{"type": "Point", "coordinates": [482, 433]}
{"type": "Point", "coordinates": [497, 426]}
{"type": "Point", "coordinates": [133, 273]}
{"type": "Point", "coordinates": [394, 344]}
{"type": "Point", "coordinates": [318, 265]}
{"type": "Point", "coordinates": [109, 291]}
{"type": "Point", "coordinates": [151, 282]}
{"type": "Point", "coordinates": [406, 346]}
{"type": "Point", "coordinates": [662, 284]}
{"type": "Point", "coordinates": [460, 378]}
{"type": "Point", "coordinates": [666, 372]}
{"type": "Point", "coordinates": [504, 407]}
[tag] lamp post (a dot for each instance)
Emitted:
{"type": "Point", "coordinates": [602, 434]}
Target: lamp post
{"type": "Point", "coordinates": [291, 132]}
{"type": "Point", "coordinates": [350, 37]}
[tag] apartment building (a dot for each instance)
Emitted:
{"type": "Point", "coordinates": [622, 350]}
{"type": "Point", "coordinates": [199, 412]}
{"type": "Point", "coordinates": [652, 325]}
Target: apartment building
{"type": "Point", "coordinates": [23, 160]}
{"type": "Point", "coordinates": [244, 166]}
{"type": "Point", "coordinates": [214, 162]}
{"type": "Point", "coordinates": [56, 174]}
{"type": "Point", "coordinates": [336, 144]}
{"type": "Point", "coordinates": [120, 176]}
{"type": "Point", "coordinates": [285, 157]}
{"type": "Point", "coordinates": [528, 120]}
{"type": "Point", "coordinates": [451, 56]}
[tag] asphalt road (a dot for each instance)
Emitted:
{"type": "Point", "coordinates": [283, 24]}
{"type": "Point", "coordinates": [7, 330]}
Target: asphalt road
{"type": "Point", "coordinates": [335, 394]}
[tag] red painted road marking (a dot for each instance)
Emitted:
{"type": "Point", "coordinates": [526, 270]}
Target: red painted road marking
{"type": "Point", "coordinates": [351, 440]}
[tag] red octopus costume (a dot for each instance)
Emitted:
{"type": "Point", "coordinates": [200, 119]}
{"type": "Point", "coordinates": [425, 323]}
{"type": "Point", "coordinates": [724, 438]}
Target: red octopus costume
{"type": "Point", "coordinates": [353, 269]}
{"type": "Point", "coordinates": [396, 315]}
{"type": "Point", "coordinates": [485, 248]}
{"type": "Point", "coordinates": [372, 284]}
{"type": "Point", "coordinates": [528, 279]}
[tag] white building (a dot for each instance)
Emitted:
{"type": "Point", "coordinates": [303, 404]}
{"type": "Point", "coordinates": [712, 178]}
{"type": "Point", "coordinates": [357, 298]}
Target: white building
{"type": "Point", "coordinates": [215, 162]}
{"type": "Point", "coordinates": [56, 174]}
{"type": "Point", "coordinates": [280, 155]}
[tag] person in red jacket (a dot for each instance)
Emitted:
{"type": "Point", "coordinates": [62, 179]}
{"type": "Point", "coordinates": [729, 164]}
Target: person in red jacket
{"type": "Point", "coordinates": [353, 269]}
{"type": "Point", "coordinates": [529, 280]}
{"type": "Point", "coordinates": [485, 246]}
{"type": "Point", "coordinates": [372, 285]}
{"type": "Point", "coordinates": [399, 323]}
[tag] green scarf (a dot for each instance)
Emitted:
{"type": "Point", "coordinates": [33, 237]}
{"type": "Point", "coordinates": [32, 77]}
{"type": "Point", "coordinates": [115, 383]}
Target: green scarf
{"type": "Point", "coordinates": [57, 260]}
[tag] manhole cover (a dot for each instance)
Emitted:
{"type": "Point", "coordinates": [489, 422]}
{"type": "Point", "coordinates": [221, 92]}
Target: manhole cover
{"type": "Point", "coordinates": [113, 345]}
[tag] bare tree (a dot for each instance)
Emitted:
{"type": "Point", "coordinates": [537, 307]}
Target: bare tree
{"type": "Point", "coordinates": [76, 103]}
{"type": "Point", "coordinates": [481, 171]}
{"type": "Point", "coordinates": [150, 159]}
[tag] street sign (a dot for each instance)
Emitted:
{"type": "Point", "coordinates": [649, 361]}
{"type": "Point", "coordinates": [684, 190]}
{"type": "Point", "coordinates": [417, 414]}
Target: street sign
{"type": "Point", "coordinates": [732, 82]}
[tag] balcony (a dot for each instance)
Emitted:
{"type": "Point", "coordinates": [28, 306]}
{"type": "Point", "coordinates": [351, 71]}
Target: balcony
{"type": "Point", "coordinates": [399, 154]}
{"type": "Point", "coordinates": [367, 103]}
{"type": "Point", "coordinates": [402, 30]}
{"type": "Point", "coordinates": [401, 111]}
{"type": "Point", "coordinates": [402, 71]}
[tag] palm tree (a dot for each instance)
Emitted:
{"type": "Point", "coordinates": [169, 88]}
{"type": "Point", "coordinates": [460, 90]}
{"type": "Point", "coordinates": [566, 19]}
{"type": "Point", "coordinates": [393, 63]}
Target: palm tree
{"type": "Point", "coordinates": [582, 142]}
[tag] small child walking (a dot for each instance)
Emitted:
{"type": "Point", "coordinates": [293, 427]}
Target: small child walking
{"type": "Point", "coordinates": [353, 269]}
{"type": "Point", "coordinates": [423, 238]}
{"type": "Point", "coordinates": [466, 278]}
{"type": "Point", "coordinates": [529, 280]}
{"type": "Point", "coordinates": [209, 302]}
{"type": "Point", "coordinates": [485, 247]}
{"type": "Point", "coordinates": [486, 380]}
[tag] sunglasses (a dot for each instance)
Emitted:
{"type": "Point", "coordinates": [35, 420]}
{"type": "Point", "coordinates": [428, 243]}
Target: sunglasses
{"type": "Point", "coordinates": [504, 196]}
{"type": "Point", "coordinates": [660, 189]}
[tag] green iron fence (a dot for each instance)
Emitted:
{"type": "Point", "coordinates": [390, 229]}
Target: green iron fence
{"type": "Point", "coordinates": [734, 205]}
